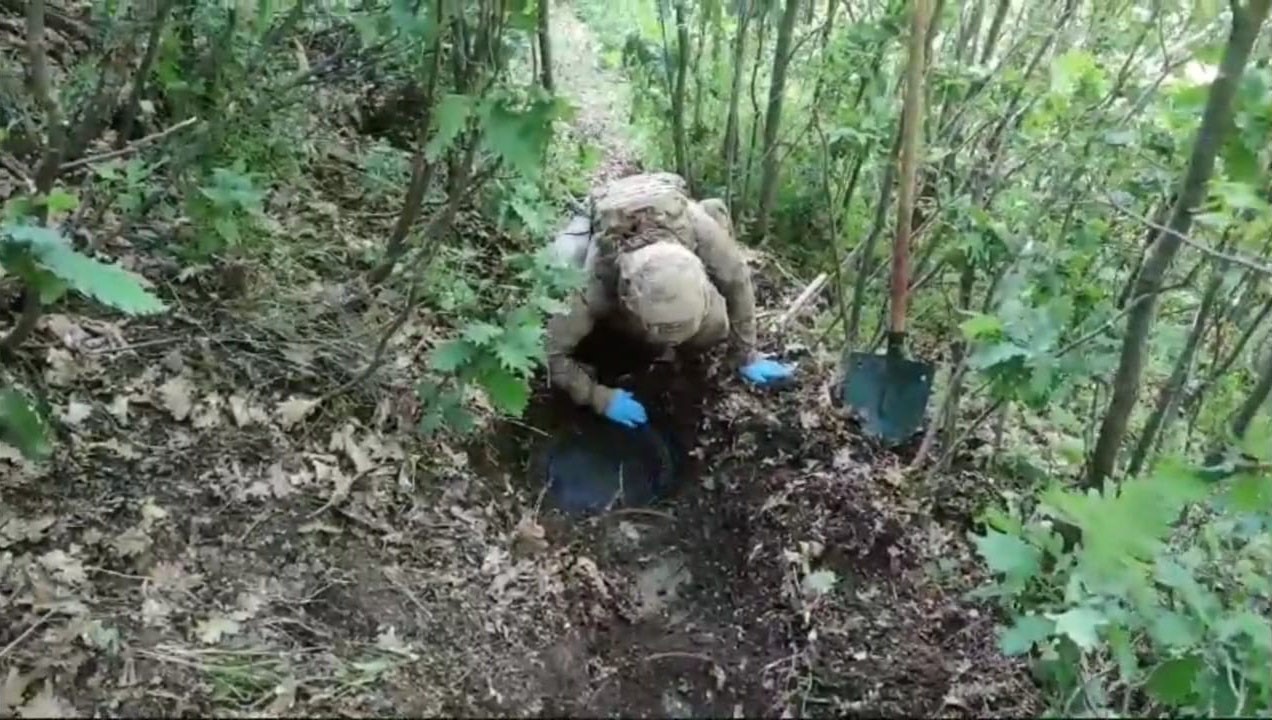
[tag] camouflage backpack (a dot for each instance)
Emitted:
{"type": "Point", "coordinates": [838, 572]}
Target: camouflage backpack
{"type": "Point", "coordinates": [639, 210]}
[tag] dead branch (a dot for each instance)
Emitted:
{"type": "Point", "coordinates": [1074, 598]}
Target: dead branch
{"type": "Point", "coordinates": [1190, 242]}
{"type": "Point", "coordinates": [130, 147]}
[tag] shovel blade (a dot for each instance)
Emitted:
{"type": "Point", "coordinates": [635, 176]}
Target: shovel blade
{"type": "Point", "coordinates": [889, 393]}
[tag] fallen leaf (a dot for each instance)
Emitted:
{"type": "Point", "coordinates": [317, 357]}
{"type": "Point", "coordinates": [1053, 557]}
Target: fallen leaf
{"type": "Point", "coordinates": [119, 408]}
{"type": "Point", "coordinates": [278, 480]}
{"type": "Point", "coordinates": [245, 413]}
{"type": "Point", "coordinates": [208, 413]}
{"type": "Point", "coordinates": [294, 410]}
{"type": "Point", "coordinates": [66, 568]}
{"type": "Point", "coordinates": [76, 412]}
{"type": "Point", "coordinates": [66, 330]}
{"type": "Point", "coordinates": [820, 582]}
{"type": "Point", "coordinates": [62, 368]}
{"type": "Point", "coordinates": [211, 631]}
{"type": "Point", "coordinates": [155, 612]}
{"type": "Point", "coordinates": [344, 439]}
{"type": "Point", "coordinates": [175, 395]}
{"type": "Point", "coordinates": [530, 535]}
{"type": "Point", "coordinates": [284, 698]}
{"type": "Point", "coordinates": [132, 541]}
{"type": "Point", "coordinates": [15, 685]}
{"type": "Point", "coordinates": [46, 705]}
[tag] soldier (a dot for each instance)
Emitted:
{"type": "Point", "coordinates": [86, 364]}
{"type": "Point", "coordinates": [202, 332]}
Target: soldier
{"type": "Point", "coordinates": [662, 267]}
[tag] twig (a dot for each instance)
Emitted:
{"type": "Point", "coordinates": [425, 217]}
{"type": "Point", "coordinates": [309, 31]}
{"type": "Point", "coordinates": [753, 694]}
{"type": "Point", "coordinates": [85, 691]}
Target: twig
{"type": "Point", "coordinates": [28, 632]}
{"type": "Point", "coordinates": [135, 346]}
{"type": "Point", "coordinates": [681, 656]}
{"type": "Point", "coordinates": [1235, 259]}
{"type": "Point", "coordinates": [129, 148]}
{"type": "Point", "coordinates": [11, 164]}
{"type": "Point", "coordinates": [377, 358]}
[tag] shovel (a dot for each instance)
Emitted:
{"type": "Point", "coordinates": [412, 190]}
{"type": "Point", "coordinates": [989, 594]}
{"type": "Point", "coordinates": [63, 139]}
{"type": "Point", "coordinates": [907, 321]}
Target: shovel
{"type": "Point", "coordinates": [889, 392]}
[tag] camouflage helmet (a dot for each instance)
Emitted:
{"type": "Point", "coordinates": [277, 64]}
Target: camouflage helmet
{"type": "Point", "coordinates": [665, 286]}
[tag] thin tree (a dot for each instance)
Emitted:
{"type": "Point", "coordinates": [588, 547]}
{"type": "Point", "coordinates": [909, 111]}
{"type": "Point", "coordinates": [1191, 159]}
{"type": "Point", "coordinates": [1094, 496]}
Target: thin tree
{"type": "Point", "coordinates": [773, 115]}
{"type": "Point", "coordinates": [1215, 122]}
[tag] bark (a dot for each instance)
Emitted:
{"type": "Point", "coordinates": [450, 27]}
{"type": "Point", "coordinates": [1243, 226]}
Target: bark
{"type": "Point", "coordinates": [1258, 395]}
{"type": "Point", "coordinates": [143, 72]}
{"type": "Point", "coordinates": [1214, 127]}
{"type": "Point", "coordinates": [545, 47]}
{"type": "Point", "coordinates": [730, 150]}
{"type": "Point", "coordinates": [1168, 397]}
{"type": "Point", "coordinates": [911, 139]}
{"type": "Point", "coordinates": [773, 115]}
{"type": "Point", "coordinates": [680, 139]}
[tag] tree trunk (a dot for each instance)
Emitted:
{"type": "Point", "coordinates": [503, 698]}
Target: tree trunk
{"type": "Point", "coordinates": [679, 139]}
{"type": "Point", "coordinates": [730, 150]}
{"type": "Point", "coordinates": [545, 47]}
{"type": "Point", "coordinates": [1217, 117]}
{"type": "Point", "coordinates": [773, 116]}
{"type": "Point", "coordinates": [1168, 397]}
{"type": "Point", "coordinates": [1258, 395]}
{"type": "Point", "coordinates": [756, 119]}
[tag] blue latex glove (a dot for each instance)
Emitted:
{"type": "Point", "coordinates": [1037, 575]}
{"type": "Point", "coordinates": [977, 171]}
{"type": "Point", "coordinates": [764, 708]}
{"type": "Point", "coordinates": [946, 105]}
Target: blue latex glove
{"type": "Point", "coordinates": [625, 409]}
{"type": "Point", "coordinates": [766, 372]}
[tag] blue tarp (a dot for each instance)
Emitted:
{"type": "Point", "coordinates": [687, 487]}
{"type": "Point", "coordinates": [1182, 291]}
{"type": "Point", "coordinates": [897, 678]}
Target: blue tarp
{"type": "Point", "coordinates": [604, 465]}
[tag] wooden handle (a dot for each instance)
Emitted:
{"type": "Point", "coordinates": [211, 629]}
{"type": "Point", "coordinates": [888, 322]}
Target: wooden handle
{"type": "Point", "coordinates": [912, 137]}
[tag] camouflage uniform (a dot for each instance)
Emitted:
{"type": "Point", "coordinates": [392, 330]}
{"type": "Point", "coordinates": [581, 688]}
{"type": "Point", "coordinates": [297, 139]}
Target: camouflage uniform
{"type": "Point", "coordinates": [660, 266]}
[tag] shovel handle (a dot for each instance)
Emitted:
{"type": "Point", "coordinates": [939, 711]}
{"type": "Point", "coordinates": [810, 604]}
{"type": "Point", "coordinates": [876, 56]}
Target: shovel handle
{"type": "Point", "coordinates": [912, 136]}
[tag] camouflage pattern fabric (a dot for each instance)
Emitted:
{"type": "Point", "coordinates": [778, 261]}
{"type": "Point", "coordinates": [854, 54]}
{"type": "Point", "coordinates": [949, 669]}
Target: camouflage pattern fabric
{"type": "Point", "coordinates": [662, 267]}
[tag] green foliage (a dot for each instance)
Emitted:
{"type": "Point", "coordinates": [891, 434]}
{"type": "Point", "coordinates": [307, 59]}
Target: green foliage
{"type": "Point", "coordinates": [21, 424]}
{"type": "Point", "coordinates": [45, 260]}
{"type": "Point", "coordinates": [497, 353]}
{"type": "Point", "coordinates": [1166, 597]}
{"type": "Point", "coordinates": [226, 211]}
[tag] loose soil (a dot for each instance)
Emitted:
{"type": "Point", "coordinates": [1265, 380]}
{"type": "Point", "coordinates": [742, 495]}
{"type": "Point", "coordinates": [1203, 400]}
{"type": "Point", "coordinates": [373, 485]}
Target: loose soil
{"type": "Point", "coordinates": [195, 546]}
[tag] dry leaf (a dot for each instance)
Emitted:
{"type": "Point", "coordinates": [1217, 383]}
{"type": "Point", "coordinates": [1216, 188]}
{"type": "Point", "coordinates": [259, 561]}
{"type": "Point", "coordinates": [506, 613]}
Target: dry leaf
{"type": "Point", "coordinates": [279, 482]}
{"type": "Point", "coordinates": [284, 698]}
{"type": "Point", "coordinates": [76, 412]}
{"type": "Point", "coordinates": [530, 536]}
{"type": "Point", "coordinates": [293, 410]}
{"type": "Point", "coordinates": [343, 439]}
{"type": "Point", "coordinates": [211, 631]}
{"type": "Point", "coordinates": [155, 612]}
{"type": "Point", "coordinates": [244, 413]}
{"type": "Point", "coordinates": [132, 541]}
{"type": "Point", "coordinates": [175, 395]}
{"type": "Point", "coordinates": [46, 705]}
{"type": "Point", "coordinates": [62, 368]}
{"type": "Point", "coordinates": [66, 330]}
{"type": "Point", "coordinates": [15, 685]}
{"type": "Point", "coordinates": [119, 408]}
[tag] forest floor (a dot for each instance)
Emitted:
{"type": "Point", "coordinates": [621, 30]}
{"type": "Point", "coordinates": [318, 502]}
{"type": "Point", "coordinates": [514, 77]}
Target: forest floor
{"type": "Point", "coordinates": [197, 546]}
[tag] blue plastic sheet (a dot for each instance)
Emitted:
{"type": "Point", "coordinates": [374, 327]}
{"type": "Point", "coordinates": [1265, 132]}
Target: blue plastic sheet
{"type": "Point", "coordinates": [606, 466]}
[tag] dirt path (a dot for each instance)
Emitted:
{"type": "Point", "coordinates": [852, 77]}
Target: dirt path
{"type": "Point", "coordinates": [603, 96]}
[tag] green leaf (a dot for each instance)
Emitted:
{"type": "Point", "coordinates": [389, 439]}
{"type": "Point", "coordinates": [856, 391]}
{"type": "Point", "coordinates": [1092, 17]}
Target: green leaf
{"type": "Point", "coordinates": [1250, 493]}
{"type": "Point", "coordinates": [1081, 625]}
{"type": "Point", "coordinates": [21, 425]}
{"type": "Point", "coordinates": [1173, 630]}
{"type": "Point", "coordinates": [481, 333]}
{"type": "Point", "coordinates": [60, 201]}
{"type": "Point", "coordinates": [509, 394]}
{"type": "Point", "coordinates": [1027, 630]}
{"type": "Point", "coordinates": [1172, 682]}
{"type": "Point", "coordinates": [450, 356]}
{"type": "Point", "coordinates": [981, 326]}
{"type": "Point", "coordinates": [519, 138]}
{"type": "Point", "coordinates": [1008, 554]}
{"type": "Point", "coordinates": [108, 284]}
{"type": "Point", "coordinates": [452, 115]}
